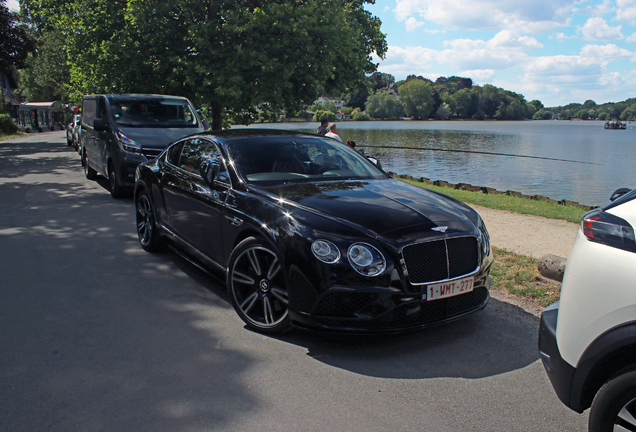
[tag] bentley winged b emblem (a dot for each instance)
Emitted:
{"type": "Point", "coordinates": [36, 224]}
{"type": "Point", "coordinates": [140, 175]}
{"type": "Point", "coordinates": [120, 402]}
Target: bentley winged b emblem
{"type": "Point", "coordinates": [440, 229]}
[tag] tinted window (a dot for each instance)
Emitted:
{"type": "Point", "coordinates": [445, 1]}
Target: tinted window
{"type": "Point", "coordinates": [89, 111]}
{"type": "Point", "coordinates": [153, 112]}
{"type": "Point", "coordinates": [198, 150]}
{"type": "Point", "coordinates": [174, 153]}
{"type": "Point", "coordinates": [276, 160]}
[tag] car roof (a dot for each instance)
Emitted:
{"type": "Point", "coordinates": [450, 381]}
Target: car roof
{"type": "Point", "coordinates": [243, 133]}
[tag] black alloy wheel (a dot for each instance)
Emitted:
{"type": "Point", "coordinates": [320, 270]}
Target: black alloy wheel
{"type": "Point", "coordinates": [146, 227]}
{"type": "Point", "coordinates": [256, 286]}
{"type": "Point", "coordinates": [116, 190]}
{"type": "Point", "coordinates": [614, 407]}
{"type": "Point", "coordinates": [89, 172]}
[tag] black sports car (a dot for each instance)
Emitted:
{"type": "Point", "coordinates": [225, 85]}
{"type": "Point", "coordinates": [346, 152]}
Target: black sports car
{"type": "Point", "coordinates": [310, 233]}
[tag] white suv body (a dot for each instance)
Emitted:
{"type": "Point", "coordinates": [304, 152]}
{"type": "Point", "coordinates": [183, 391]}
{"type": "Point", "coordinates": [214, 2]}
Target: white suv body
{"type": "Point", "coordinates": [587, 340]}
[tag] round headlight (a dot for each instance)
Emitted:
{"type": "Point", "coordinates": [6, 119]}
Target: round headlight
{"type": "Point", "coordinates": [325, 251]}
{"type": "Point", "coordinates": [366, 260]}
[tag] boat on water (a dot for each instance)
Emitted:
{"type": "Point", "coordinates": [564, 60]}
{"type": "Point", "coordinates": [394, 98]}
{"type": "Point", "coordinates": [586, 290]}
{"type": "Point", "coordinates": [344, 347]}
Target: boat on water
{"type": "Point", "coordinates": [615, 125]}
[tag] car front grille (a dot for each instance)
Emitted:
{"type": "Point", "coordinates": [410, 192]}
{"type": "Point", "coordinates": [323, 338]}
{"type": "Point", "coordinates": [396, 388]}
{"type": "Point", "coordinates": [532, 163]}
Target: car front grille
{"type": "Point", "coordinates": [151, 153]}
{"type": "Point", "coordinates": [441, 259]}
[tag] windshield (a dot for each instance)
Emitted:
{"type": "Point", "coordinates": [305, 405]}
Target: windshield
{"type": "Point", "coordinates": [153, 112]}
{"type": "Point", "coordinates": [269, 161]}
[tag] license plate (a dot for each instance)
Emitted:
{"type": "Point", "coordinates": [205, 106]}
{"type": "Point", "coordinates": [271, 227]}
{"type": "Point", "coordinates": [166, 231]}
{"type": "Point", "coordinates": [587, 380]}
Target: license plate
{"type": "Point", "coordinates": [447, 289]}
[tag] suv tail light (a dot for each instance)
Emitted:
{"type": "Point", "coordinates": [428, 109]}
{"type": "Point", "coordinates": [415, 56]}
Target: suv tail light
{"type": "Point", "coordinates": [605, 228]}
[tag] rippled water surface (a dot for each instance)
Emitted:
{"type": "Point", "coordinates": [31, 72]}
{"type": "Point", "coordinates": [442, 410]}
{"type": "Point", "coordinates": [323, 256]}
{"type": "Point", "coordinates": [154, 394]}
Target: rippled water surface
{"type": "Point", "coordinates": [591, 162]}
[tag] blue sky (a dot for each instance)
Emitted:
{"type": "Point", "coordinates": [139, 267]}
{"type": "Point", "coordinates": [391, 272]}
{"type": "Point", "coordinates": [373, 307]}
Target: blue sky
{"type": "Point", "coordinates": [556, 51]}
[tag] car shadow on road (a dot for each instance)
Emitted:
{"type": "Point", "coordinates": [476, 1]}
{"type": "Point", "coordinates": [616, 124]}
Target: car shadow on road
{"type": "Point", "coordinates": [501, 338]}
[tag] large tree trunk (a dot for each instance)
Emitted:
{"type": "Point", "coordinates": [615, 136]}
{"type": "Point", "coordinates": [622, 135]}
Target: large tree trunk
{"type": "Point", "coordinates": [217, 117]}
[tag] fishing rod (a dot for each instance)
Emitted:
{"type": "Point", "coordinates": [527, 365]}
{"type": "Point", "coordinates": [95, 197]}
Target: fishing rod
{"type": "Point", "coordinates": [479, 152]}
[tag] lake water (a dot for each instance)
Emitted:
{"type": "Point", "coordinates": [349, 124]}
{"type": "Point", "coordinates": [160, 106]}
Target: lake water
{"type": "Point", "coordinates": [593, 162]}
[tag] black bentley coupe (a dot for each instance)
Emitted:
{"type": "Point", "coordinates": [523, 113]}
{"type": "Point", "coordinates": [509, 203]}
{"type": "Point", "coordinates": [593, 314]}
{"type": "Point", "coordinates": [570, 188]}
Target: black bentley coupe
{"type": "Point", "coordinates": [310, 233]}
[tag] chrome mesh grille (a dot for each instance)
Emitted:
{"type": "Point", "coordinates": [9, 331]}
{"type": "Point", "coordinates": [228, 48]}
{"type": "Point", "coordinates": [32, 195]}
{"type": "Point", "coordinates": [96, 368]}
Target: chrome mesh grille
{"type": "Point", "coordinates": [441, 259]}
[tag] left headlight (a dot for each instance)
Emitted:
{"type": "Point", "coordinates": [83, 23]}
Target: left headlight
{"type": "Point", "coordinates": [325, 251]}
{"type": "Point", "coordinates": [485, 239]}
{"type": "Point", "coordinates": [366, 260]}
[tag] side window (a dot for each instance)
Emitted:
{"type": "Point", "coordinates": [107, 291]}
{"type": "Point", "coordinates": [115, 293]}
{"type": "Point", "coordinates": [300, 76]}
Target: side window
{"type": "Point", "coordinates": [89, 110]}
{"type": "Point", "coordinates": [191, 156]}
{"type": "Point", "coordinates": [102, 113]}
{"type": "Point", "coordinates": [174, 153]}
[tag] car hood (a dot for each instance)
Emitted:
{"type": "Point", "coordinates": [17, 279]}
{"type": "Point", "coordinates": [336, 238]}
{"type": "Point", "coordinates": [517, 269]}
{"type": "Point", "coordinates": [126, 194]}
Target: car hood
{"type": "Point", "coordinates": [389, 208]}
{"type": "Point", "coordinates": [157, 138]}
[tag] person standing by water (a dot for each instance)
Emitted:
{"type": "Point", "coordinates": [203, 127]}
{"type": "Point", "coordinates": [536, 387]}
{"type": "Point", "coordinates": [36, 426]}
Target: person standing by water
{"type": "Point", "coordinates": [332, 132]}
{"type": "Point", "coordinates": [322, 129]}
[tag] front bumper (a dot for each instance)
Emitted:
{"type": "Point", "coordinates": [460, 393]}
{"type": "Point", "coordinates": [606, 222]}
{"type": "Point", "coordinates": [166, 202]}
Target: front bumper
{"type": "Point", "coordinates": [377, 312]}
{"type": "Point", "coordinates": [560, 372]}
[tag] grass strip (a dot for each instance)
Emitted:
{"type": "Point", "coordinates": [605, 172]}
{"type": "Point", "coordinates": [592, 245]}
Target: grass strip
{"type": "Point", "coordinates": [4, 136]}
{"type": "Point", "coordinates": [519, 275]}
{"type": "Point", "coordinates": [510, 203]}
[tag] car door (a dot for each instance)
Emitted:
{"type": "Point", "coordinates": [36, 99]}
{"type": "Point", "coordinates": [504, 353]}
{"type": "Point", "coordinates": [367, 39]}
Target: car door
{"type": "Point", "coordinates": [193, 208]}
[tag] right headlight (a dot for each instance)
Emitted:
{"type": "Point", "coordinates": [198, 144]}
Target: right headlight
{"type": "Point", "coordinates": [366, 260]}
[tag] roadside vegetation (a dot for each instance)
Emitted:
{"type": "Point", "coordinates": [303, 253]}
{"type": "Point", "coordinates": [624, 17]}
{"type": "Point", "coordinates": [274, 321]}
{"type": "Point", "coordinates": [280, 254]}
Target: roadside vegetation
{"type": "Point", "coordinates": [519, 275]}
{"type": "Point", "coordinates": [511, 203]}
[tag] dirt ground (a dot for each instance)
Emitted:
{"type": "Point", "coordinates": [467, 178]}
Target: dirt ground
{"type": "Point", "coordinates": [528, 235]}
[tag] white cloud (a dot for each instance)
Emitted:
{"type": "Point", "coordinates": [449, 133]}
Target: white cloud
{"type": "Point", "coordinates": [412, 24]}
{"type": "Point", "coordinates": [596, 29]}
{"type": "Point", "coordinates": [479, 75]}
{"type": "Point", "coordinates": [605, 53]}
{"type": "Point", "coordinates": [626, 11]}
{"type": "Point", "coordinates": [537, 16]}
{"type": "Point", "coordinates": [611, 79]}
{"type": "Point", "coordinates": [599, 9]}
{"type": "Point", "coordinates": [631, 38]}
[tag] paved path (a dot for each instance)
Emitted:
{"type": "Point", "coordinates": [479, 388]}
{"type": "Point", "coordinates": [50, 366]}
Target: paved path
{"type": "Point", "coordinates": [529, 235]}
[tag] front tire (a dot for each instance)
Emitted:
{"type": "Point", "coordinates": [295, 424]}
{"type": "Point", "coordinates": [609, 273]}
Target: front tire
{"type": "Point", "coordinates": [116, 190]}
{"type": "Point", "coordinates": [89, 172]}
{"type": "Point", "coordinates": [257, 286]}
{"type": "Point", "coordinates": [146, 226]}
{"type": "Point", "coordinates": [614, 407]}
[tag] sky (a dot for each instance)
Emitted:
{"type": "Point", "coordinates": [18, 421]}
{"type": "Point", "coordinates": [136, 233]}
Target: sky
{"type": "Point", "coordinates": [555, 51]}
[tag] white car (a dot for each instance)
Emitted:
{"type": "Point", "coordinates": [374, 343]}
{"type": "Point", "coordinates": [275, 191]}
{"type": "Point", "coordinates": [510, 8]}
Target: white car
{"type": "Point", "coordinates": [587, 340]}
{"type": "Point", "coordinates": [72, 131]}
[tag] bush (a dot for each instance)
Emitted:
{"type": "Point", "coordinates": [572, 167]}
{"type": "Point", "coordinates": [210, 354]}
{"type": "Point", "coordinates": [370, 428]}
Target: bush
{"type": "Point", "coordinates": [360, 116]}
{"type": "Point", "coordinates": [27, 129]}
{"type": "Point", "coordinates": [7, 125]}
{"type": "Point", "coordinates": [324, 114]}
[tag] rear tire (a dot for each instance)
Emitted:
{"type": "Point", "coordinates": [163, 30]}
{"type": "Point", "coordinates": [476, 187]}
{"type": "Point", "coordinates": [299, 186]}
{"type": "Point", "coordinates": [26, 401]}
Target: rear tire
{"type": "Point", "coordinates": [614, 407]}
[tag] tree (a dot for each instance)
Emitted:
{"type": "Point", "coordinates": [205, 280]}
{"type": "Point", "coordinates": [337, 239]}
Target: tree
{"type": "Point", "coordinates": [15, 43]}
{"type": "Point", "coordinates": [230, 56]}
{"type": "Point", "coordinates": [417, 97]}
{"type": "Point", "coordinates": [46, 75]}
{"type": "Point", "coordinates": [384, 105]}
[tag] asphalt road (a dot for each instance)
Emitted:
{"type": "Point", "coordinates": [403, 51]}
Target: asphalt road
{"type": "Point", "coordinates": [98, 335]}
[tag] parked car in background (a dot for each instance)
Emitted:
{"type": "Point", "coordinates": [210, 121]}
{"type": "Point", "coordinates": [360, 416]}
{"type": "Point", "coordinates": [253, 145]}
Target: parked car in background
{"type": "Point", "coordinates": [118, 132]}
{"type": "Point", "coordinates": [587, 340]}
{"type": "Point", "coordinates": [72, 130]}
{"type": "Point", "coordinates": [310, 233]}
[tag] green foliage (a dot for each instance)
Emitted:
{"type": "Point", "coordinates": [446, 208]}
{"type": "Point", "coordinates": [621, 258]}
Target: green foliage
{"type": "Point", "coordinates": [15, 42]}
{"type": "Point", "coordinates": [329, 106]}
{"type": "Point", "coordinates": [603, 116]}
{"type": "Point", "coordinates": [542, 114]}
{"type": "Point", "coordinates": [322, 114]}
{"type": "Point", "coordinates": [230, 56]}
{"type": "Point", "coordinates": [7, 126]}
{"type": "Point", "coordinates": [417, 97]}
{"type": "Point", "coordinates": [384, 105]}
{"type": "Point", "coordinates": [46, 76]}
{"type": "Point", "coordinates": [359, 115]}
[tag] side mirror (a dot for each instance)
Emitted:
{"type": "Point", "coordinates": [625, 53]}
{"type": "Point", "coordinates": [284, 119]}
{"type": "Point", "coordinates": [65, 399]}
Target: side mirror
{"type": "Point", "coordinates": [619, 193]}
{"type": "Point", "coordinates": [99, 125]}
{"type": "Point", "coordinates": [208, 171]}
{"type": "Point", "coordinates": [206, 125]}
